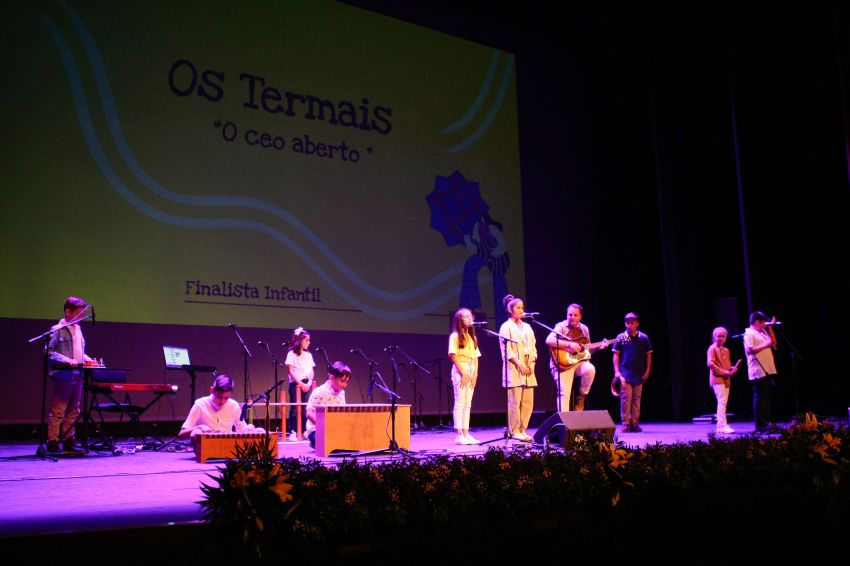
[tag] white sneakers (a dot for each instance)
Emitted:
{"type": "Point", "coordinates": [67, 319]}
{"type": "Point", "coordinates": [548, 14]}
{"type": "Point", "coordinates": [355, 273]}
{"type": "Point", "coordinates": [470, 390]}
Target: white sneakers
{"type": "Point", "coordinates": [466, 440]}
{"type": "Point", "coordinates": [522, 436]}
{"type": "Point", "coordinates": [293, 436]}
{"type": "Point", "coordinates": [725, 429]}
{"type": "Point", "coordinates": [472, 440]}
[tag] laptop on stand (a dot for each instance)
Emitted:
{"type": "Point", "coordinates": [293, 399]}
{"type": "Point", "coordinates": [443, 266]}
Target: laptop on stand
{"type": "Point", "coordinates": [177, 358]}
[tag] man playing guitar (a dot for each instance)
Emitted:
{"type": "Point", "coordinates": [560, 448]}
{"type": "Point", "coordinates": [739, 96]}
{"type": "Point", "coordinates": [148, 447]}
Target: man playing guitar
{"type": "Point", "coordinates": [571, 357]}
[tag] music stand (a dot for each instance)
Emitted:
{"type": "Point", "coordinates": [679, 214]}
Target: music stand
{"type": "Point", "coordinates": [506, 435]}
{"type": "Point", "coordinates": [191, 370]}
{"type": "Point", "coordinates": [393, 448]}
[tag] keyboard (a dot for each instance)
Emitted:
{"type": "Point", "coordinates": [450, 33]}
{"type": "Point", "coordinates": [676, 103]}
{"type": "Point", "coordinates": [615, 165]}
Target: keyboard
{"type": "Point", "coordinates": [134, 387]}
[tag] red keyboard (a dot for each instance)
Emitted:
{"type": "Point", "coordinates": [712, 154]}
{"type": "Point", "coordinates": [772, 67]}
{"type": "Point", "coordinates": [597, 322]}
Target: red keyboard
{"type": "Point", "coordinates": [130, 387]}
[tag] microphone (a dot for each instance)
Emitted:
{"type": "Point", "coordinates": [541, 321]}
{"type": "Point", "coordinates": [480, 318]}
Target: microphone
{"type": "Point", "coordinates": [244, 410]}
{"type": "Point", "coordinates": [482, 323]}
{"type": "Point", "coordinates": [319, 349]}
{"type": "Point", "coordinates": [232, 325]}
{"type": "Point", "coordinates": [265, 344]}
{"type": "Point", "coordinates": [390, 348]}
{"type": "Point", "coordinates": [736, 336]}
{"type": "Point", "coordinates": [530, 314]}
{"type": "Point", "coordinates": [371, 384]}
{"type": "Point", "coordinates": [766, 323]}
{"type": "Point", "coordinates": [354, 350]}
{"type": "Point", "coordinates": [93, 317]}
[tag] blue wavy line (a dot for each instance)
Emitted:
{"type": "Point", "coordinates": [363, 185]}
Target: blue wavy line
{"type": "Point", "coordinates": [113, 121]}
{"type": "Point", "coordinates": [476, 105]}
{"type": "Point", "coordinates": [87, 127]}
{"type": "Point", "coordinates": [491, 115]}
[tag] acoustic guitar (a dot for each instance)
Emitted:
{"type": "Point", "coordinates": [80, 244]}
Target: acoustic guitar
{"type": "Point", "coordinates": [565, 359]}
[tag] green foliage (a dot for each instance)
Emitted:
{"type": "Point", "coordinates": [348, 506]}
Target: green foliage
{"type": "Point", "coordinates": [261, 503]}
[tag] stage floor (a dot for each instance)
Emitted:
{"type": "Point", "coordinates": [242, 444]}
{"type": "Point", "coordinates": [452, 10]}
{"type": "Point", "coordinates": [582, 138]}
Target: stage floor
{"type": "Point", "coordinates": [155, 488]}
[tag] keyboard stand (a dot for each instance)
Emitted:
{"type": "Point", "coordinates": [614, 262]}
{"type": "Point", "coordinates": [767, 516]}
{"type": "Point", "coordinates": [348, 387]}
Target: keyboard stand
{"type": "Point", "coordinates": [124, 408]}
{"type": "Point", "coordinates": [93, 375]}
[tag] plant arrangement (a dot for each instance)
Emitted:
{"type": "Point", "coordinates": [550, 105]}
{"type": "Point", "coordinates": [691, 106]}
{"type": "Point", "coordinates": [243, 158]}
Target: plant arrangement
{"type": "Point", "coordinates": [270, 509]}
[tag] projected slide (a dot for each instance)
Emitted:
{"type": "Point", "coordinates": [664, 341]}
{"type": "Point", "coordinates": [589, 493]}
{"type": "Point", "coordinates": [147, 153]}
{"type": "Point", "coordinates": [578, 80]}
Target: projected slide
{"type": "Point", "coordinates": [270, 163]}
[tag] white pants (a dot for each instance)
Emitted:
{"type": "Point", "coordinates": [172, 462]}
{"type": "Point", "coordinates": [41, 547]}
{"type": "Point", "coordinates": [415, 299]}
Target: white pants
{"type": "Point", "coordinates": [463, 396]}
{"type": "Point", "coordinates": [721, 391]}
{"type": "Point", "coordinates": [585, 370]}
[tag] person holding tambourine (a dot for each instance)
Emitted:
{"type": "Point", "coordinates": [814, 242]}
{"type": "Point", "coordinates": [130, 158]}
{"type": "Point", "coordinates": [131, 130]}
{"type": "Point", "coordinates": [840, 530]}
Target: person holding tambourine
{"type": "Point", "coordinates": [632, 363]}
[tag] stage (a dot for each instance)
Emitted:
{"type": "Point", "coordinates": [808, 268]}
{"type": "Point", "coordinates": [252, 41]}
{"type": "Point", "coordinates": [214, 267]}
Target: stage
{"type": "Point", "coordinates": [143, 488]}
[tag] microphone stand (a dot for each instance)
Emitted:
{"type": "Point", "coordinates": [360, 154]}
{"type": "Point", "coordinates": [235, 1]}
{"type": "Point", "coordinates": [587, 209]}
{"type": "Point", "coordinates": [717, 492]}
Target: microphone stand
{"type": "Point", "coordinates": [248, 405]}
{"type": "Point", "coordinates": [393, 447]}
{"type": "Point", "coordinates": [391, 350]}
{"type": "Point", "coordinates": [372, 364]}
{"type": "Point", "coordinates": [795, 356]}
{"type": "Point", "coordinates": [417, 421]}
{"type": "Point", "coordinates": [557, 356]}
{"type": "Point", "coordinates": [276, 364]}
{"type": "Point", "coordinates": [327, 360]}
{"type": "Point", "coordinates": [246, 353]}
{"type": "Point", "coordinates": [734, 406]}
{"type": "Point", "coordinates": [440, 384]}
{"type": "Point", "coordinates": [504, 341]}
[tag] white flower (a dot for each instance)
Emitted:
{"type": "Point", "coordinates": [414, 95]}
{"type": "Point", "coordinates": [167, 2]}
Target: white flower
{"type": "Point", "coordinates": [298, 331]}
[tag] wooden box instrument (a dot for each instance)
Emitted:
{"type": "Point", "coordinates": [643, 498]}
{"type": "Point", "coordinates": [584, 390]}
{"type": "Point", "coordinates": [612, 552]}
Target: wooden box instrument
{"type": "Point", "coordinates": [360, 427]}
{"type": "Point", "coordinates": [224, 444]}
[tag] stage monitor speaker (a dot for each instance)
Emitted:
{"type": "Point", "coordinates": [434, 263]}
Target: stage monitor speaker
{"type": "Point", "coordinates": [563, 428]}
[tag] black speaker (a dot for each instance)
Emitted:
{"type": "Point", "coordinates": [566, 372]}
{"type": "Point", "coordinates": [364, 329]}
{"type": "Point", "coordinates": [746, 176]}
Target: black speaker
{"type": "Point", "coordinates": [561, 429]}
